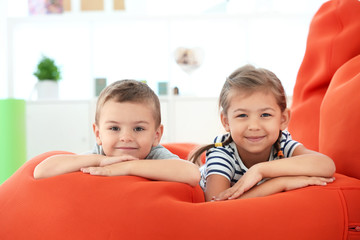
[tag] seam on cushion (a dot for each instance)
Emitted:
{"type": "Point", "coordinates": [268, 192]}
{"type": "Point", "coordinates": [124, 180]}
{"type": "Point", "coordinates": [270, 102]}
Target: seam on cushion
{"type": "Point", "coordinates": [331, 48]}
{"type": "Point", "coordinates": [345, 212]}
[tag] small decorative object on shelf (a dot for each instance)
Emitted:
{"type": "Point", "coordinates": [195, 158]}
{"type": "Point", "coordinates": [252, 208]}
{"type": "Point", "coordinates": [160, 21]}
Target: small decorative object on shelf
{"type": "Point", "coordinates": [48, 74]}
{"type": "Point", "coordinates": [189, 59]}
{"type": "Point", "coordinates": [162, 88]}
{"type": "Point", "coordinates": [100, 84]}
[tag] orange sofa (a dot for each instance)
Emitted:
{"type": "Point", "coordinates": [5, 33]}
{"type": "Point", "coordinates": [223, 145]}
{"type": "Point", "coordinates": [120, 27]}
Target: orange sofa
{"type": "Point", "coordinates": [326, 101]}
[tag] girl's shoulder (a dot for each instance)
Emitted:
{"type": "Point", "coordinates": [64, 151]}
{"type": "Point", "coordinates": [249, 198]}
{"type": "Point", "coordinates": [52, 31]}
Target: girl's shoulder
{"type": "Point", "coordinates": [286, 135]}
{"type": "Point", "coordinates": [221, 138]}
{"type": "Point", "coordinates": [222, 149]}
{"type": "Point", "coordinates": [287, 144]}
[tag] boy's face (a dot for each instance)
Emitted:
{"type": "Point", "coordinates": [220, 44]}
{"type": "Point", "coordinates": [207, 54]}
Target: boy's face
{"type": "Point", "coordinates": [127, 128]}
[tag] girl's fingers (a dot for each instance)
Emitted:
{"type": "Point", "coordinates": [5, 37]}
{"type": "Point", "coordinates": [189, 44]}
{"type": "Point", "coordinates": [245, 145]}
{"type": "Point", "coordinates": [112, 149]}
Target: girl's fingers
{"type": "Point", "coordinates": [236, 194]}
{"type": "Point", "coordinates": [231, 193]}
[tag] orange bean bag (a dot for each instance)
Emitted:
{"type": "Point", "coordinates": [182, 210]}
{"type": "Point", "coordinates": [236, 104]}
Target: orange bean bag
{"type": "Point", "coordinates": [81, 206]}
{"type": "Point", "coordinates": [334, 39]}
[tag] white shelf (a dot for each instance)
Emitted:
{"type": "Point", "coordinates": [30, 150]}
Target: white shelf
{"type": "Point", "coordinates": [67, 125]}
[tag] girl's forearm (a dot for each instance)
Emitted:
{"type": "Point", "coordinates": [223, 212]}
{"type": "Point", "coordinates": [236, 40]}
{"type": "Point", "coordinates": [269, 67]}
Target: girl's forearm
{"type": "Point", "coordinates": [163, 169]}
{"type": "Point", "coordinates": [314, 164]}
{"type": "Point", "coordinates": [271, 186]}
{"type": "Point", "coordinates": [60, 164]}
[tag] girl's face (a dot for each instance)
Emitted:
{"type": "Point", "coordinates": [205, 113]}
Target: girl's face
{"type": "Point", "coordinates": [254, 121]}
{"type": "Point", "coordinates": [127, 128]}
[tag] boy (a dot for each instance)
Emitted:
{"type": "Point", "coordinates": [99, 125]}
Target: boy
{"type": "Point", "coordinates": [128, 131]}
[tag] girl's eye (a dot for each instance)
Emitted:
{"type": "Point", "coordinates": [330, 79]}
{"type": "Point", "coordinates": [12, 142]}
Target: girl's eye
{"type": "Point", "coordinates": [138, 129]}
{"type": "Point", "coordinates": [266, 115]}
{"type": "Point", "coordinates": [242, 115]}
{"type": "Point", "coordinates": [114, 128]}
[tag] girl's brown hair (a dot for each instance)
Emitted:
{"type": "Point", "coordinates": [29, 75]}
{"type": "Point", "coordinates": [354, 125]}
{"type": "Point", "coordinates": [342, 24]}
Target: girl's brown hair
{"type": "Point", "coordinates": [247, 79]}
{"type": "Point", "coordinates": [129, 91]}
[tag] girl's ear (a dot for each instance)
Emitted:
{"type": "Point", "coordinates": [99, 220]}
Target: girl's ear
{"type": "Point", "coordinates": [225, 121]}
{"type": "Point", "coordinates": [158, 134]}
{"type": "Point", "coordinates": [97, 134]}
{"type": "Point", "coordinates": [285, 119]}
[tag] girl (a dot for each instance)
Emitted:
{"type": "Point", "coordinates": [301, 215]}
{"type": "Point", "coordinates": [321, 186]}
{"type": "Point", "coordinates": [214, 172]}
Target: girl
{"type": "Point", "coordinates": [254, 113]}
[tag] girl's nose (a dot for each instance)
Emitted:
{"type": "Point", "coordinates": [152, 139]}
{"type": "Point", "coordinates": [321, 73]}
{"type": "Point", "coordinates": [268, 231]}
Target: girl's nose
{"type": "Point", "coordinates": [254, 125]}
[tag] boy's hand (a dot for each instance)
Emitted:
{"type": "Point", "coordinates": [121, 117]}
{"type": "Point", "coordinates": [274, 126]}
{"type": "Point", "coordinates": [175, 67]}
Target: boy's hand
{"type": "Point", "coordinates": [116, 169]}
{"type": "Point", "coordinates": [111, 160]}
{"type": "Point", "coordinates": [102, 171]}
{"type": "Point", "coordinates": [246, 182]}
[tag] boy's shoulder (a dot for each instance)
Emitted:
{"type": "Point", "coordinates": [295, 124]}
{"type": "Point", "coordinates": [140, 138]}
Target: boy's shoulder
{"type": "Point", "coordinates": [160, 152]}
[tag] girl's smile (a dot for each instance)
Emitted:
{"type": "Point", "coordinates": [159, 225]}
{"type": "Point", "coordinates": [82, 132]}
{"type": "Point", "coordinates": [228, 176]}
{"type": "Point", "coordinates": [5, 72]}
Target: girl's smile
{"type": "Point", "coordinates": [255, 139]}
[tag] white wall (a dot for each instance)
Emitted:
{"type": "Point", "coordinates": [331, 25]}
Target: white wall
{"type": "Point", "coordinates": [141, 46]}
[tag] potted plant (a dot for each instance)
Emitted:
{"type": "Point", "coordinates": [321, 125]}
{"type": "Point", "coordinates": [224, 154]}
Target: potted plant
{"type": "Point", "coordinates": [48, 74]}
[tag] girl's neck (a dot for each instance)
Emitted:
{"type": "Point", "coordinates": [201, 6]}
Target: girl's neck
{"type": "Point", "coordinates": [250, 159]}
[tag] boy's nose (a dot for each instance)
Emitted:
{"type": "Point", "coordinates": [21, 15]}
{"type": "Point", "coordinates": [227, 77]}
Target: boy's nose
{"type": "Point", "coordinates": [126, 136]}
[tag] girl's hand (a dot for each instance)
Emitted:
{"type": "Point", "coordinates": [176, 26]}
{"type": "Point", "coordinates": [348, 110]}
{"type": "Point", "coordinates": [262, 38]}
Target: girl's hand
{"type": "Point", "coordinates": [296, 182]}
{"type": "Point", "coordinates": [246, 182]}
{"type": "Point", "coordinates": [111, 160]}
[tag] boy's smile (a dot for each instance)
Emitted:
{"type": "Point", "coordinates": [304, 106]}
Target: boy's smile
{"type": "Point", "coordinates": [127, 128]}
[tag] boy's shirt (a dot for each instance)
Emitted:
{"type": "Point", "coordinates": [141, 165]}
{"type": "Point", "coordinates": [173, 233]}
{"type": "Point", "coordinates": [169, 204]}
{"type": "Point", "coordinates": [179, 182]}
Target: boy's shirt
{"type": "Point", "coordinates": [158, 152]}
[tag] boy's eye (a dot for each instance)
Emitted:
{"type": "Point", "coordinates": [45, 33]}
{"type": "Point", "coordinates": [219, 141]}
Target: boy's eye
{"type": "Point", "coordinates": [114, 128]}
{"type": "Point", "coordinates": [266, 115]}
{"type": "Point", "coordinates": [138, 129]}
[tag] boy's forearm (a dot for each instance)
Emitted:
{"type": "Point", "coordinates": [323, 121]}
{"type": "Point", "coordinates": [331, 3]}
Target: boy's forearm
{"type": "Point", "coordinates": [302, 165]}
{"type": "Point", "coordinates": [60, 164]}
{"type": "Point", "coordinates": [163, 169]}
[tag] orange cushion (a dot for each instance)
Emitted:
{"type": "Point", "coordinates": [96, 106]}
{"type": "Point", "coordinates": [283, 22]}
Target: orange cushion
{"type": "Point", "coordinates": [183, 149]}
{"type": "Point", "coordinates": [333, 40]}
{"type": "Point", "coordinates": [340, 119]}
{"type": "Point", "coordinates": [80, 206]}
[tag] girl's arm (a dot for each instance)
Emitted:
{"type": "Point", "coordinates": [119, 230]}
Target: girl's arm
{"type": "Point", "coordinates": [216, 184]}
{"type": "Point", "coordinates": [174, 170]}
{"type": "Point", "coordinates": [281, 184]}
{"type": "Point", "coordinates": [304, 162]}
{"type": "Point", "coordinates": [60, 164]}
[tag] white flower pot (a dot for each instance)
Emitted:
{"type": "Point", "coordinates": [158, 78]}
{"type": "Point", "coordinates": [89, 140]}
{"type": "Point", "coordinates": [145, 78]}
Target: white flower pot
{"type": "Point", "coordinates": [47, 89]}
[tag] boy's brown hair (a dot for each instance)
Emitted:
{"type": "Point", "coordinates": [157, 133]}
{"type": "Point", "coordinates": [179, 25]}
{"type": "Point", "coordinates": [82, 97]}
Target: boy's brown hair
{"type": "Point", "coordinates": [129, 91]}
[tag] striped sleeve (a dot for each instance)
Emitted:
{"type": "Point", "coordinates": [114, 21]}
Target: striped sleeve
{"type": "Point", "coordinates": [219, 161]}
{"type": "Point", "coordinates": [287, 144]}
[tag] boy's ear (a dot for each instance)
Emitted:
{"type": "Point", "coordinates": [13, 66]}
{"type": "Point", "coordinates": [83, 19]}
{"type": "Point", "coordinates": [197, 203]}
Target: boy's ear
{"type": "Point", "coordinates": [225, 121]}
{"type": "Point", "coordinates": [158, 134]}
{"type": "Point", "coordinates": [97, 134]}
{"type": "Point", "coordinates": [285, 119]}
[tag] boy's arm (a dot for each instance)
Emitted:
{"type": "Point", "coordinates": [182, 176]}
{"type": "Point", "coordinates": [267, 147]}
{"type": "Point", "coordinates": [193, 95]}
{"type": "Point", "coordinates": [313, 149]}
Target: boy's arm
{"type": "Point", "coordinates": [60, 164]}
{"type": "Point", "coordinates": [175, 170]}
